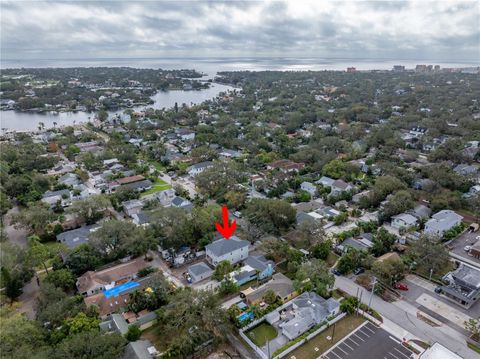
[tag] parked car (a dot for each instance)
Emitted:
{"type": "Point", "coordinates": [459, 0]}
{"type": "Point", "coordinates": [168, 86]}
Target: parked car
{"type": "Point", "coordinates": [336, 272]}
{"type": "Point", "coordinates": [438, 290]}
{"type": "Point", "coordinates": [237, 214]}
{"type": "Point", "coordinates": [358, 271]}
{"type": "Point", "coordinates": [467, 248]}
{"type": "Point", "coordinates": [400, 286]}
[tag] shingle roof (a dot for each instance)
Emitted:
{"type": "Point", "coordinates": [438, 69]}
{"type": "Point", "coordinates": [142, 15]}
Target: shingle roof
{"type": "Point", "coordinates": [77, 236]}
{"type": "Point", "coordinates": [223, 246]}
{"type": "Point", "coordinates": [259, 263]}
{"type": "Point", "coordinates": [199, 269]}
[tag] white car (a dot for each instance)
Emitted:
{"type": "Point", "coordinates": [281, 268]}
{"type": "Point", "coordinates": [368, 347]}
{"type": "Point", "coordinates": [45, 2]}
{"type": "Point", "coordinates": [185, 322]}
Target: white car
{"type": "Point", "coordinates": [467, 248]}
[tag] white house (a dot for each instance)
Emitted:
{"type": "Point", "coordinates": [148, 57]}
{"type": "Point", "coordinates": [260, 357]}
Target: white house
{"type": "Point", "coordinates": [199, 168]}
{"type": "Point", "coordinates": [340, 186]}
{"type": "Point", "coordinates": [441, 222]}
{"type": "Point", "coordinates": [132, 207]}
{"type": "Point", "coordinates": [403, 220]}
{"type": "Point", "coordinates": [233, 249]}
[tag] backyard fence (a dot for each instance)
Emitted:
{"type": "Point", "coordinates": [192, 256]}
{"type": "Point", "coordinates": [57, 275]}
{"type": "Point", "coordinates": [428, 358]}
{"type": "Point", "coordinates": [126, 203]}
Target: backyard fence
{"type": "Point", "coordinates": [310, 336]}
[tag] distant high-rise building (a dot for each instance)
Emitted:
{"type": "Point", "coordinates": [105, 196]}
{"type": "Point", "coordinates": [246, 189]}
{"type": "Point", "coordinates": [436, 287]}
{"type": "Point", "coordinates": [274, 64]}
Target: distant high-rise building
{"type": "Point", "coordinates": [421, 68]}
{"type": "Point", "coordinates": [437, 67]}
{"type": "Point", "coordinates": [351, 69]}
{"type": "Point", "coordinates": [398, 68]}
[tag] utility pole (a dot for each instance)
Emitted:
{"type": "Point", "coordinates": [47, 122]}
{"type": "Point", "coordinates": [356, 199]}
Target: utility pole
{"type": "Point", "coordinates": [431, 273]}
{"type": "Point", "coordinates": [373, 291]}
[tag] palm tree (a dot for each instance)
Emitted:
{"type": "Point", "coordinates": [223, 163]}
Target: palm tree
{"type": "Point", "coordinates": [41, 125]}
{"type": "Point", "coordinates": [54, 124]}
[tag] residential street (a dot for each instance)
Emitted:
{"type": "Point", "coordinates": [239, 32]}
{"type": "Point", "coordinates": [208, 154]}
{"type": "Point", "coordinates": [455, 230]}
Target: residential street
{"type": "Point", "coordinates": [404, 315]}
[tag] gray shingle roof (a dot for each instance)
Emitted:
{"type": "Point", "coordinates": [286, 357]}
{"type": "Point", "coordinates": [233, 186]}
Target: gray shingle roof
{"type": "Point", "coordinates": [310, 310]}
{"type": "Point", "coordinates": [78, 236]}
{"type": "Point", "coordinates": [259, 263]}
{"type": "Point", "coordinates": [199, 269]}
{"type": "Point", "coordinates": [223, 246]}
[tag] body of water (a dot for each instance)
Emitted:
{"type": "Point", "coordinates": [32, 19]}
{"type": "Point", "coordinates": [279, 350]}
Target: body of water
{"type": "Point", "coordinates": [23, 121]}
{"type": "Point", "coordinates": [209, 66]}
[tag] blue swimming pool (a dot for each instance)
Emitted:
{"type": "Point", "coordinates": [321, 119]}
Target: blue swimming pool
{"type": "Point", "coordinates": [245, 316]}
{"type": "Point", "coordinates": [119, 289]}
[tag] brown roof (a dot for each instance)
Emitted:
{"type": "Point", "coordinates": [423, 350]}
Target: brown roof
{"type": "Point", "coordinates": [286, 164]}
{"type": "Point", "coordinates": [280, 284]}
{"type": "Point", "coordinates": [92, 279]}
{"type": "Point", "coordinates": [130, 179]}
{"type": "Point", "coordinates": [107, 305]}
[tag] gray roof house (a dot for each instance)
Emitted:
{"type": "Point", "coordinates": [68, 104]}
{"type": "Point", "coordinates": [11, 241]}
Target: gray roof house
{"type": "Point", "coordinates": [52, 197]}
{"type": "Point", "coordinates": [302, 313]}
{"type": "Point", "coordinates": [199, 168]}
{"type": "Point", "coordinates": [441, 222]}
{"type": "Point", "coordinates": [259, 263]}
{"type": "Point", "coordinates": [309, 187]}
{"type": "Point", "coordinates": [404, 220]}
{"type": "Point", "coordinates": [233, 249]}
{"type": "Point", "coordinates": [466, 169]}
{"type": "Point", "coordinates": [69, 179]}
{"type": "Point", "coordinates": [361, 244]}
{"type": "Point", "coordinates": [132, 207]}
{"type": "Point", "coordinates": [199, 271]}
{"type": "Point", "coordinates": [140, 349]}
{"type": "Point", "coordinates": [421, 212]}
{"type": "Point", "coordinates": [78, 236]}
{"type": "Point", "coordinates": [141, 218]}
{"type": "Point", "coordinates": [325, 181]}
{"type": "Point", "coordinates": [462, 285]}
{"type": "Point", "coordinates": [139, 185]}
{"type": "Point", "coordinates": [181, 202]}
{"type": "Point", "coordinates": [340, 186]}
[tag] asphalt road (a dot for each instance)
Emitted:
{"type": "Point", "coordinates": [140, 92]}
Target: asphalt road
{"type": "Point", "coordinates": [404, 315]}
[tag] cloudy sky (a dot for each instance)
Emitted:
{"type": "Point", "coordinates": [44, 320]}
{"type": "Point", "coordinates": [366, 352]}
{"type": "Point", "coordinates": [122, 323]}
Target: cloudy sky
{"type": "Point", "coordinates": [430, 30]}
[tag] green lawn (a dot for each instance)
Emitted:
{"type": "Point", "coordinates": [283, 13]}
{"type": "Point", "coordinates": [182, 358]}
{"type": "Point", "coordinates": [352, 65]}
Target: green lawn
{"type": "Point", "coordinates": [158, 166]}
{"type": "Point", "coordinates": [158, 185]}
{"type": "Point", "coordinates": [313, 348]}
{"type": "Point", "coordinates": [261, 333]}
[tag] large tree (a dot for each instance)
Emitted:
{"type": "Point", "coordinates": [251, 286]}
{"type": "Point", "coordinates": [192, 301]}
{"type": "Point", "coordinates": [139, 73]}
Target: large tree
{"type": "Point", "coordinates": [116, 239]}
{"type": "Point", "coordinates": [90, 209]}
{"type": "Point", "coordinates": [271, 215]}
{"type": "Point", "coordinates": [314, 275]}
{"type": "Point", "coordinates": [34, 219]}
{"type": "Point", "coordinates": [429, 255]}
{"type": "Point", "coordinates": [91, 344]}
{"type": "Point", "coordinates": [194, 317]}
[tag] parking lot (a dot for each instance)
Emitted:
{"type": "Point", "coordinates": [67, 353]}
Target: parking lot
{"type": "Point", "coordinates": [419, 289]}
{"type": "Point", "coordinates": [369, 341]}
{"type": "Point", "coordinates": [458, 245]}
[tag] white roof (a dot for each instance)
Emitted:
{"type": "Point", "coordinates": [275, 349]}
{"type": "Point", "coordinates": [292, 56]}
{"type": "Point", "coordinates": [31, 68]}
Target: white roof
{"type": "Point", "coordinates": [438, 351]}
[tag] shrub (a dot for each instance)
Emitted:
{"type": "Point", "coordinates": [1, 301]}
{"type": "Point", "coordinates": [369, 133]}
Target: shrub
{"type": "Point", "coordinates": [133, 333]}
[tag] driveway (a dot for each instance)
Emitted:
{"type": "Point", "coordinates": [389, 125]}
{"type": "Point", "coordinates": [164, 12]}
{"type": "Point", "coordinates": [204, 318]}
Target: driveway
{"type": "Point", "coordinates": [403, 315]}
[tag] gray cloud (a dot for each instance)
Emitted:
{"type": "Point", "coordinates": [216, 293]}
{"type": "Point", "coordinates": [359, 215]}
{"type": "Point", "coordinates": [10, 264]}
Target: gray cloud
{"type": "Point", "coordinates": [437, 30]}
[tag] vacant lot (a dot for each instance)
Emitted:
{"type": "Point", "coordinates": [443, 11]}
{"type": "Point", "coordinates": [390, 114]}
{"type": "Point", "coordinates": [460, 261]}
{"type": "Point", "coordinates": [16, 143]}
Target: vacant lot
{"type": "Point", "coordinates": [261, 333]}
{"type": "Point", "coordinates": [320, 344]}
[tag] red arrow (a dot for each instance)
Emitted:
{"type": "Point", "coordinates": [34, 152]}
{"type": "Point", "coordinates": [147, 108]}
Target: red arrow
{"type": "Point", "coordinates": [227, 229]}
